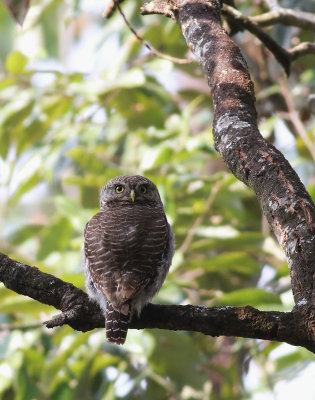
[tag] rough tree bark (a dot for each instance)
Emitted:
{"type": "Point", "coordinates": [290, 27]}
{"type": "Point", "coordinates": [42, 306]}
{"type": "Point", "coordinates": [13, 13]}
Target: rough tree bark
{"type": "Point", "coordinates": [283, 198]}
{"type": "Point", "coordinates": [83, 315]}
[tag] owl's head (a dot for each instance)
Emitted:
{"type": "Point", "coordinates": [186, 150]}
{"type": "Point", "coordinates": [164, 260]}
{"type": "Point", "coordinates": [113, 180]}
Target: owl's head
{"type": "Point", "coordinates": [129, 189]}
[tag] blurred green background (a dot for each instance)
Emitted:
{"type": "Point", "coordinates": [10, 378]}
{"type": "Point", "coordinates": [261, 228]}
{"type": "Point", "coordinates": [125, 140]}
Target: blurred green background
{"type": "Point", "coordinates": [81, 101]}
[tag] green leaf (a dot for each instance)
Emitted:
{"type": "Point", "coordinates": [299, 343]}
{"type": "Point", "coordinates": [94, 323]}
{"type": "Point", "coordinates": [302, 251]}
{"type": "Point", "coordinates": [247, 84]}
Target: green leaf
{"type": "Point", "coordinates": [52, 369]}
{"type": "Point", "coordinates": [88, 181]}
{"type": "Point", "coordinates": [14, 114]}
{"type": "Point", "coordinates": [6, 376]}
{"type": "Point", "coordinates": [34, 361]}
{"type": "Point", "coordinates": [251, 296]}
{"type": "Point", "coordinates": [230, 262]}
{"type": "Point", "coordinates": [77, 279]}
{"type": "Point", "coordinates": [55, 238]}
{"type": "Point", "coordinates": [7, 82]}
{"type": "Point", "coordinates": [245, 241]}
{"type": "Point", "coordinates": [25, 186]}
{"type": "Point", "coordinates": [23, 305]}
{"type": "Point", "coordinates": [290, 360]}
{"type": "Point", "coordinates": [16, 62]}
{"type": "Point", "coordinates": [24, 233]}
{"type": "Point", "coordinates": [87, 160]}
{"type": "Point", "coordinates": [311, 190]}
{"type": "Point", "coordinates": [187, 353]}
{"type": "Point", "coordinates": [131, 78]}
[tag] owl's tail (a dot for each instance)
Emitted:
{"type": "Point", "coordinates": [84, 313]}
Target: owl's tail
{"type": "Point", "coordinates": [116, 323]}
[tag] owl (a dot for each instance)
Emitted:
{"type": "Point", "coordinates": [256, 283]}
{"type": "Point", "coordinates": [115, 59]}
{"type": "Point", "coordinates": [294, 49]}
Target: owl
{"type": "Point", "coordinates": [128, 249]}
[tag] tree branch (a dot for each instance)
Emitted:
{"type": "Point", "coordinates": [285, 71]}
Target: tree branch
{"type": "Point", "coordinates": [291, 327]}
{"type": "Point", "coordinates": [111, 8]}
{"type": "Point", "coordinates": [285, 16]}
{"type": "Point", "coordinates": [283, 56]}
{"type": "Point", "coordinates": [302, 49]}
{"type": "Point", "coordinates": [279, 52]}
{"type": "Point", "coordinates": [154, 51]}
{"type": "Point", "coordinates": [295, 118]}
{"type": "Point", "coordinates": [284, 200]}
{"type": "Point", "coordinates": [158, 7]}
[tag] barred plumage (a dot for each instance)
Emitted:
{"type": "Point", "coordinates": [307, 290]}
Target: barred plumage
{"type": "Point", "coordinates": [128, 249]}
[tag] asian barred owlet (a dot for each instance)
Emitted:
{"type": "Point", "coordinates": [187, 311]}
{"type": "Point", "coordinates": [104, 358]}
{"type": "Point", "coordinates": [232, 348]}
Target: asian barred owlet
{"type": "Point", "coordinates": [128, 248]}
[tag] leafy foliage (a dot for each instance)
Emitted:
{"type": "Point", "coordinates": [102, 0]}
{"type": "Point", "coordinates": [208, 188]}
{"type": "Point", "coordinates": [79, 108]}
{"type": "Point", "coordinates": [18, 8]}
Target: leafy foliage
{"type": "Point", "coordinates": [63, 135]}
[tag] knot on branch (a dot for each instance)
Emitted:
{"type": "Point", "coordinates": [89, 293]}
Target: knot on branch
{"type": "Point", "coordinates": [81, 317]}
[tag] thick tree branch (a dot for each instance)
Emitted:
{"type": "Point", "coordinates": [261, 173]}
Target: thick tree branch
{"type": "Point", "coordinates": [285, 202]}
{"type": "Point", "coordinates": [83, 315]}
{"type": "Point", "coordinates": [284, 57]}
{"type": "Point", "coordinates": [279, 52]}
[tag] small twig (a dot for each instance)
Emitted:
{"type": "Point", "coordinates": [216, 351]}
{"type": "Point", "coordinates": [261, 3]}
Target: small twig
{"type": "Point", "coordinates": [294, 117]}
{"type": "Point", "coordinates": [279, 52]}
{"type": "Point", "coordinates": [285, 16]}
{"type": "Point", "coordinates": [302, 49]}
{"type": "Point", "coordinates": [191, 232]}
{"type": "Point", "coordinates": [154, 51]}
{"type": "Point", "coordinates": [112, 6]}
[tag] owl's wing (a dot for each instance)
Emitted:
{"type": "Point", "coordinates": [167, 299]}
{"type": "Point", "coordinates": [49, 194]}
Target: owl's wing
{"type": "Point", "coordinates": [93, 243]}
{"type": "Point", "coordinates": [97, 253]}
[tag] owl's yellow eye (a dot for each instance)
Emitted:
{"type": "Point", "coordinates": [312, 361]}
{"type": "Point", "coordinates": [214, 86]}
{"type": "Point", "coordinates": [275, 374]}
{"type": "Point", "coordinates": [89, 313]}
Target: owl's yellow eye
{"type": "Point", "coordinates": [119, 189]}
{"type": "Point", "coordinates": [143, 189]}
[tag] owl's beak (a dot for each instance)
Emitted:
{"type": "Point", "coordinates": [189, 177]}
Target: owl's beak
{"type": "Point", "coordinates": [133, 195]}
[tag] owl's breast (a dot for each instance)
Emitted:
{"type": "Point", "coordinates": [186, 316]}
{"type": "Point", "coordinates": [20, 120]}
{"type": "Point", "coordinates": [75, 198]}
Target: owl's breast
{"type": "Point", "coordinates": [125, 248]}
{"type": "Point", "coordinates": [137, 232]}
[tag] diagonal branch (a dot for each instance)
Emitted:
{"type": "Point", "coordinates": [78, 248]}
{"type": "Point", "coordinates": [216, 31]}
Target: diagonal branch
{"type": "Point", "coordinates": [279, 52]}
{"type": "Point", "coordinates": [284, 200]}
{"type": "Point", "coordinates": [153, 50]}
{"type": "Point", "coordinates": [114, 4]}
{"type": "Point", "coordinates": [111, 8]}
{"type": "Point", "coordinates": [291, 327]}
{"type": "Point", "coordinates": [295, 118]}
{"type": "Point", "coordinates": [283, 56]}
